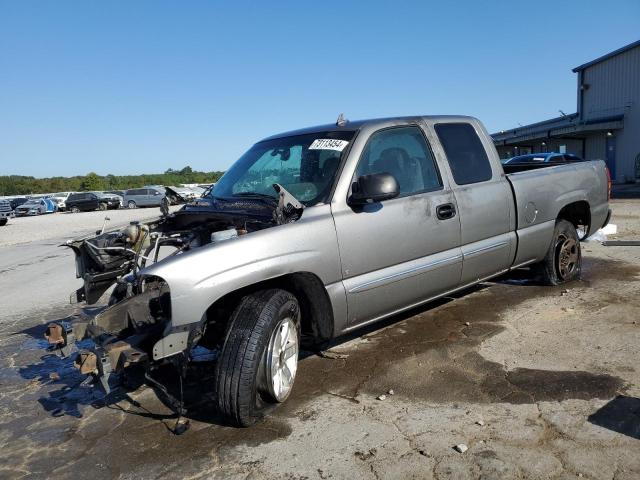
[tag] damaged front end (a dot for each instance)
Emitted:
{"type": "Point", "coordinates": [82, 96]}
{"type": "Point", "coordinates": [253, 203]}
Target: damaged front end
{"type": "Point", "coordinates": [124, 334]}
{"type": "Point", "coordinates": [136, 329]}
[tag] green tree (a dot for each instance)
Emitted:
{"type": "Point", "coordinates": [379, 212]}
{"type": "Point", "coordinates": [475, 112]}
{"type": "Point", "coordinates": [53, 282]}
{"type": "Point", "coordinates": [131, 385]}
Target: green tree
{"type": "Point", "coordinates": [91, 182]}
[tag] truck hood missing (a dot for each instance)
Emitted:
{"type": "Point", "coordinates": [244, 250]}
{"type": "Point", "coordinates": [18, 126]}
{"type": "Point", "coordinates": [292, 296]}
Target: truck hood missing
{"type": "Point", "coordinates": [106, 257]}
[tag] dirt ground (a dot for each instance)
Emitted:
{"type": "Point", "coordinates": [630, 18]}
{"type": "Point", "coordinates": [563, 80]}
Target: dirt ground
{"type": "Point", "coordinates": [537, 382]}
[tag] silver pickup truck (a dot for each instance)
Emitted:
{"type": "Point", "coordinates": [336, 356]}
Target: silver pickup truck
{"type": "Point", "coordinates": [317, 232]}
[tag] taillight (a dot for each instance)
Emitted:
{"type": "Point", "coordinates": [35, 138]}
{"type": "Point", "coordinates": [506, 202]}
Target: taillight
{"type": "Point", "coordinates": [606, 169]}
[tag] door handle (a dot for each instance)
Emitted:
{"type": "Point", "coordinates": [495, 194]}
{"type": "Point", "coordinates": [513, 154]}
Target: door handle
{"type": "Point", "coordinates": [446, 211]}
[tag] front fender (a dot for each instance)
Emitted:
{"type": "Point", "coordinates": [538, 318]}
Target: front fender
{"type": "Point", "coordinates": [198, 278]}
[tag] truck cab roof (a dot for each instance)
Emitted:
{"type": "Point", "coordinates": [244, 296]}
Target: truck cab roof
{"type": "Point", "coordinates": [352, 126]}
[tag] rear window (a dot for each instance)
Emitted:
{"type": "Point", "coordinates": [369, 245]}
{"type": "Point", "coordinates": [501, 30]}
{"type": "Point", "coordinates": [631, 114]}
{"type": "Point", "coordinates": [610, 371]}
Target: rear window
{"type": "Point", "coordinates": [466, 155]}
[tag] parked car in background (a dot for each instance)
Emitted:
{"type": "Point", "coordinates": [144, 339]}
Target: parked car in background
{"type": "Point", "coordinates": [549, 157]}
{"type": "Point", "coordinates": [16, 202]}
{"type": "Point", "coordinates": [36, 206]}
{"type": "Point", "coordinates": [5, 212]}
{"type": "Point", "coordinates": [88, 201]}
{"type": "Point", "coordinates": [60, 199]}
{"type": "Point", "coordinates": [143, 197]}
{"type": "Point", "coordinates": [112, 200]}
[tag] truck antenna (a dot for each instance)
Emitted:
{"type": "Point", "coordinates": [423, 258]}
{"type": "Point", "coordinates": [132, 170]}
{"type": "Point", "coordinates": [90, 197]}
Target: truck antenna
{"type": "Point", "coordinates": [341, 122]}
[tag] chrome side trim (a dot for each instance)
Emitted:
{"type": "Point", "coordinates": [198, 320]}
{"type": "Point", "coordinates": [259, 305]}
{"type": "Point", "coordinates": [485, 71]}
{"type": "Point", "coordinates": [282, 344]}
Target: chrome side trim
{"type": "Point", "coordinates": [484, 249]}
{"type": "Point", "coordinates": [523, 264]}
{"type": "Point", "coordinates": [387, 279]}
{"type": "Point", "coordinates": [421, 302]}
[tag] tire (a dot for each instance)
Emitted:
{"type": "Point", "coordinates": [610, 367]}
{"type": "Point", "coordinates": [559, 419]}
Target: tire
{"type": "Point", "coordinates": [75, 210]}
{"type": "Point", "coordinates": [3, 222]}
{"type": "Point", "coordinates": [131, 204]}
{"type": "Point", "coordinates": [563, 261]}
{"type": "Point", "coordinates": [244, 386]}
{"type": "Point", "coordinates": [102, 207]}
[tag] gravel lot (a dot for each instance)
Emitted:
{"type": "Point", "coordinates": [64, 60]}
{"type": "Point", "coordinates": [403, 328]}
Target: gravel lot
{"type": "Point", "coordinates": [69, 225]}
{"type": "Point", "coordinates": [537, 382]}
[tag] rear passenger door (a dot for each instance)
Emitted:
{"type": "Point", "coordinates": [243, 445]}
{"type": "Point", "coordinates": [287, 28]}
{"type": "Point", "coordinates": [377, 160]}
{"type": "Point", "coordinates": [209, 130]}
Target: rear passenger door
{"type": "Point", "coordinates": [484, 198]}
{"type": "Point", "coordinates": [403, 251]}
{"type": "Point", "coordinates": [142, 199]}
{"type": "Point", "coordinates": [82, 201]}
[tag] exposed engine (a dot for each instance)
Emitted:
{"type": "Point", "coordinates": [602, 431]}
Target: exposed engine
{"type": "Point", "coordinates": [107, 257]}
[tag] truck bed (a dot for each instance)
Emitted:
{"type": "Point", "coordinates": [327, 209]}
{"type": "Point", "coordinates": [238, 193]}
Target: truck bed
{"type": "Point", "coordinates": [541, 192]}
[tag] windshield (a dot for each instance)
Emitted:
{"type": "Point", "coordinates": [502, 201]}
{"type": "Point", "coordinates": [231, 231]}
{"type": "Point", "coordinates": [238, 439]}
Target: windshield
{"type": "Point", "coordinates": [303, 164]}
{"type": "Point", "coordinates": [31, 202]}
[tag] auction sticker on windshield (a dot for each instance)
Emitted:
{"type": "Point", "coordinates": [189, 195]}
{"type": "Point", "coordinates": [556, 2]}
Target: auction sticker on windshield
{"type": "Point", "coordinates": [328, 144]}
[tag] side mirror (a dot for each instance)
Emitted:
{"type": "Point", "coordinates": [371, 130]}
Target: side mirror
{"type": "Point", "coordinates": [374, 188]}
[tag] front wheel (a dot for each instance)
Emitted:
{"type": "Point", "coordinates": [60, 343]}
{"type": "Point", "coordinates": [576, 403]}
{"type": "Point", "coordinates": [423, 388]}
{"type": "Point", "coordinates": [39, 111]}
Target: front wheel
{"type": "Point", "coordinates": [131, 204]}
{"type": "Point", "coordinates": [563, 261]}
{"type": "Point", "coordinates": [259, 360]}
{"type": "Point", "coordinates": [102, 207]}
{"type": "Point", "coordinates": [75, 210]}
{"type": "Point", "coordinates": [3, 222]}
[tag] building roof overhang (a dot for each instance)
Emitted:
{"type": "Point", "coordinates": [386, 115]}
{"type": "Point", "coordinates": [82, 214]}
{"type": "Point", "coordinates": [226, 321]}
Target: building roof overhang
{"type": "Point", "coordinates": [571, 127]}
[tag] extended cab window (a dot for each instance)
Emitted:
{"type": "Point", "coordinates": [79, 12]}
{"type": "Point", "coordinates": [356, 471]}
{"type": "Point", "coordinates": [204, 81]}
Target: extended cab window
{"type": "Point", "coordinates": [403, 152]}
{"type": "Point", "coordinates": [466, 155]}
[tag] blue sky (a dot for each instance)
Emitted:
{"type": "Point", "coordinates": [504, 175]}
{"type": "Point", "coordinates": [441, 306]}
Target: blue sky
{"type": "Point", "coordinates": [141, 86]}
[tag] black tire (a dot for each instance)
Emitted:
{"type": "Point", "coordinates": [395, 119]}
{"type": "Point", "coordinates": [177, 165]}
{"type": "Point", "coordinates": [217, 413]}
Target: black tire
{"type": "Point", "coordinates": [131, 204]}
{"type": "Point", "coordinates": [102, 206]}
{"type": "Point", "coordinates": [242, 393]}
{"type": "Point", "coordinates": [563, 261]}
{"type": "Point", "coordinates": [3, 222]}
{"type": "Point", "coordinates": [75, 209]}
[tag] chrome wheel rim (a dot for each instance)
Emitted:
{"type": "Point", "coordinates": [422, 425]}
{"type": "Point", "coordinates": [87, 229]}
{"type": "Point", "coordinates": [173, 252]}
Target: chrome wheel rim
{"type": "Point", "coordinates": [282, 359]}
{"type": "Point", "coordinates": [568, 255]}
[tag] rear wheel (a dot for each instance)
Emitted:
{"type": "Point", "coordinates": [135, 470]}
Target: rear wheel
{"type": "Point", "coordinates": [131, 204]}
{"type": "Point", "coordinates": [102, 206]}
{"type": "Point", "coordinates": [563, 261]}
{"type": "Point", "coordinates": [259, 360]}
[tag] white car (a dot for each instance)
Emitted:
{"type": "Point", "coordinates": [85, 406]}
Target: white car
{"type": "Point", "coordinates": [60, 199]}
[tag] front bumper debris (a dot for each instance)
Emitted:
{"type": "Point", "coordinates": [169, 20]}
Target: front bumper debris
{"type": "Point", "coordinates": [110, 356]}
{"type": "Point", "coordinates": [123, 333]}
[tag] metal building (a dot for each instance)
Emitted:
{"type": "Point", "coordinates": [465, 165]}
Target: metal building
{"type": "Point", "coordinates": [607, 122]}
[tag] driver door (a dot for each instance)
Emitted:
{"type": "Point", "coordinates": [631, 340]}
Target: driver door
{"type": "Point", "coordinates": [404, 251]}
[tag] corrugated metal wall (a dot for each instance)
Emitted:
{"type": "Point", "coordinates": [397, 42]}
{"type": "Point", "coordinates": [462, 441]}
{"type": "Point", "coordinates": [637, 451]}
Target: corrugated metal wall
{"type": "Point", "coordinates": [614, 88]}
{"type": "Point", "coordinates": [595, 148]}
